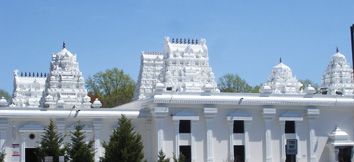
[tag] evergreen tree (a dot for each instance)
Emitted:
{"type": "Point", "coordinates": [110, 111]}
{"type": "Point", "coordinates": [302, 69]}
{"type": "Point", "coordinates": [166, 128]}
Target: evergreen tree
{"type": "Point", "coordinates": [78, 150]}
{"type": "Point", "coordinates": [2, 156]}
{"type": "Point", "coordinates": [161, 157]}
{"type": "Point", "coordinates": [50, 143]}
{"type": "Point", "coordinates": [181, 158]}
{"type": "Point", "coordinates": [124, 145]}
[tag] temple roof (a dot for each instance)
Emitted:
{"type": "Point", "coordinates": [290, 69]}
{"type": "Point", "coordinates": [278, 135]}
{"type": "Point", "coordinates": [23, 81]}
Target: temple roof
{"type": "Point", "coordinates": [281, 80]}
{"type": "Point", "coordinates": [338, 77]}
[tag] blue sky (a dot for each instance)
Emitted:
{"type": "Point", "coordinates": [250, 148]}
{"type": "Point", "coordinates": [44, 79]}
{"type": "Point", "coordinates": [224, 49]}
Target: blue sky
{"type": "Point", "coordinates": [246, 37]}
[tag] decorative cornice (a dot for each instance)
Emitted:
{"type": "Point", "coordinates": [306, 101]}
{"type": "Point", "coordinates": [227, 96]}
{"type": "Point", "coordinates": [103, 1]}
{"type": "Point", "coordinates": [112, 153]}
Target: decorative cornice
{"type": "Point", "coordinates": [253, 100]}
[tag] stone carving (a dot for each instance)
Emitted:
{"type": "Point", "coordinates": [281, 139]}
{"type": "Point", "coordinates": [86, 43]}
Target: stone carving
{"type": "Point", "coordinates": [182, 67]}
{"type": "Point", "coordinates": [282, 81]}
{"type": "Point", "coordinates": [28, 90]}
{"type": "Point", "coordinates": [63, 87]}
{"type": "Point", "coordinates": [65, 83]}
{"type": "Point", "coordinates": [338, 78]}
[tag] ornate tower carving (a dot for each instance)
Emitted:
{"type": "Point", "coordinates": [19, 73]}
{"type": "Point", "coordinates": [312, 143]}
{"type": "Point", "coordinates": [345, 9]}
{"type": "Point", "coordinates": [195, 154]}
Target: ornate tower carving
{"type": "Point", "coordinates": [338, 78]}
{"type": "Point", "coordinates": [65, 83]}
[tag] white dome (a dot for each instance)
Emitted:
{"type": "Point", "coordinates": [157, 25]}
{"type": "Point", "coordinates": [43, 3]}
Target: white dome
{"type": "Point", "coordinates": [65, 52]}
{"type": "Point", "coordinates": [281, 80]}
{"type": "Point", "coordinates": [3, 102]}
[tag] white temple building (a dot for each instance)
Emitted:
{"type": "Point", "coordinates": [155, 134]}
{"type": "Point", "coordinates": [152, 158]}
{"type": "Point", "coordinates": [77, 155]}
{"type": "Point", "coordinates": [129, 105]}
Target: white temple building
{"type": "Point", "coordinates": [179, 109]}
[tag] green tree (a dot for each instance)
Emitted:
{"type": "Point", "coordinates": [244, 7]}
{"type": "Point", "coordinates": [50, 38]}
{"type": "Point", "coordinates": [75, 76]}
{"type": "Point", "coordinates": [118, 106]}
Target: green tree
{"type": "Point", "coordinates": [2, 156]}
{"type": "Point", "coordinates": [113, 87]}
{"type": "Point", "coordinates": [161, 157]}
{"type": "Point", "coordinates": [6, 95]}
{"type": "Point", "coordinates": [181, 158]}
{"type": "Point", "coordinates": [51, 143]}
{"type": "Point", "coordinates": [233, 83]}
{"type": "Point", "coordinates": [78, 150]}
{"type": "Point", "coordinates": [125, 144]}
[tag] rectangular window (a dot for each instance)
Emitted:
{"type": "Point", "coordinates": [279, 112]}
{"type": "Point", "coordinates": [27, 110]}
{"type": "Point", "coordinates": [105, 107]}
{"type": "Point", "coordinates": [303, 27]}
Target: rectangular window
{"type": "Point", "coordinates": [239, 126]}
{"type": "Point", "coordinates": [289, 126]}
{"type": "Point", "coordinates": [184, 126]}
{"type": "Point", "coordinates": [239, 153]}
{"type": "Point", "coordinates": [186, 152]}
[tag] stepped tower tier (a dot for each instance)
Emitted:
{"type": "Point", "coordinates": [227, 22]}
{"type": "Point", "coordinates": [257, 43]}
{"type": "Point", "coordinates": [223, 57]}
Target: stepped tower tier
{"type": "Point", "coordinates": [65, 83]}
{"type": "Point", "coordinates": [183, 66]}
{"type": "Point", "coordinates": [338, 77]}
{"type": "Point", "coordinates": [187, 66]}
{"type": "Point", "coordinates": [282, 81]}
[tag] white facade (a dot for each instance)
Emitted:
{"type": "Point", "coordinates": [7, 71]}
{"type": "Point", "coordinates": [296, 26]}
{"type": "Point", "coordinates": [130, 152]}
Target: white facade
{"type": "Point", "coordinates": [179, 109]}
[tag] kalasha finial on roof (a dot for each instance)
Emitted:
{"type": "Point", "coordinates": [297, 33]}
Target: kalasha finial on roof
{"type": "Point", "coordinates": [280, 60]}
{"type": "Point", "coordinates": [337, 50]}
{"type": "Point", "coordinates": [64, 45]}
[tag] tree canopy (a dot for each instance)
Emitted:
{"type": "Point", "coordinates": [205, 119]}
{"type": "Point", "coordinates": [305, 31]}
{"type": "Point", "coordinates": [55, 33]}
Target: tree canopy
{"type": "Point", "coordinates": [78, 150]}
{"type": "Point", "coordinates": [125, 144]}
{"type": "Point", "coordinates": [234, 83]}
{"type": "Point", "coordinates": [51, 143]}
{"type": "Point", "coordinates": [5, 94]}
{"type": "Point", "coordinates": [113, 87]}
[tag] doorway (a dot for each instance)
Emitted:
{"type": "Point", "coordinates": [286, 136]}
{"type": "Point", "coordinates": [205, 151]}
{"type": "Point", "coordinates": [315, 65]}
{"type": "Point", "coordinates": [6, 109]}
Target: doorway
{"type": "Point", "coordinates": [239, 153]}
{"type": "Point", "coordinates": [186, 152]}
{"type": "Point", "coordinates": [345, 153]}
{"type": "Point", "coordinates": [30, 155]}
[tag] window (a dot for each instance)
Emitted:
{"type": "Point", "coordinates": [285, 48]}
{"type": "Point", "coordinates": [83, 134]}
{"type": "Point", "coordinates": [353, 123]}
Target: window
{"type": "Point", "coordinates": [239, 153]}
{"type": "Point", "coordinates": [186, 152]}
{"type": "Point", "coordinates": [289, 126]}
{"type": "Point", "coordinates": [239, 126]}
{"type": "Point", "coordinates": [184, 126]}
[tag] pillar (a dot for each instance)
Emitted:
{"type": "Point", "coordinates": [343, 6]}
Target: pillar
{"type": "Point", "coordinates": [23, 146]}
{"type": "Point", "coordinates": [97, 129]}
{"type": "Point", "coordinates": [312, 115]}
{"type": "Point", "coordinates": [268, 115]}
{"type": "Point", "coordinates": [160, 114]}
{"type": "Point", "coordinates": [230, 123]}
{"type": "Point", "coordinates": [283, 140]}
{"type": "Point", "coordinates": [193, 142]}
{"type": "Point", "coordinates": [176, 144]}
{"type": "Point", "coordinates": [209, 114]}
{"type": "Point", "coordinates": [246, 140]}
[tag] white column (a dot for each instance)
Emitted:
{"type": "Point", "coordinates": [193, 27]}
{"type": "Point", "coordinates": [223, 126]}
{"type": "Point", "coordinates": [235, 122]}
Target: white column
{"type": "Point", "coordinates": [176, 125]}
{"type": "Point", "coordinates": [160, 114]}
{"type": "Point", "coordinates": [297, 126]}
{"type": "Point", "coordinates": [268, 115]}
{"type": "Point", "coordinates": [231, 140]}
{"type": "Point", "coordinates": [246, 139]}
{"type": "Point", "coordinates": [23, 147]}
{"type": "Point", "coordinates": [193, 143]}
{"type": "Point", "coordinates": [209, 114]}
{"type": "Point", "coordinates": [210, 156]}
{"type": "Point", "coordinates": [148, 138]}
{"type": "Point", "coordinates": [312, 115]}
{"type": "Point", "coordinates": [97, 126]}
{"type": "Point", "coordinates": [283, 140]}
{"type": "Point", "coordinates": [160, 133]}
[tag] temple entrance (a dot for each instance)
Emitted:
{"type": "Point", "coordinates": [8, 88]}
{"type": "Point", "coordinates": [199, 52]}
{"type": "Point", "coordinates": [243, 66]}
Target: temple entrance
{"type": "Point", "coordinates": [186, 152]}
{"type": "Point", "coordinates": [345, 153]}
{"type": "Point", "coordinates": [239, 153]}
{"type": "Point", "coordinates": [30, 155]}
